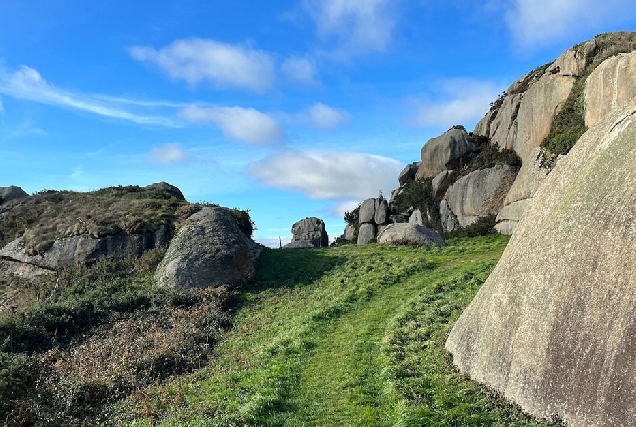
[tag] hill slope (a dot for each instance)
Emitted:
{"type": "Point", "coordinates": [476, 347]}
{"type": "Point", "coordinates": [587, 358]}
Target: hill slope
{"type": "Point", "coordinates": [346, 336]}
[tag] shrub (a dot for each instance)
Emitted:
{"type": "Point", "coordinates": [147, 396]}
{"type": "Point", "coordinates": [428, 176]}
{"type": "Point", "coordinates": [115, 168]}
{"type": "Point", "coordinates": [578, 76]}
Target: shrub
{"type": "Point", "coordinates": [417, 194]}
{"type": "Point", "coordinates": [482, 227]}
{"type": "Point", "coordinates": [244, 221]}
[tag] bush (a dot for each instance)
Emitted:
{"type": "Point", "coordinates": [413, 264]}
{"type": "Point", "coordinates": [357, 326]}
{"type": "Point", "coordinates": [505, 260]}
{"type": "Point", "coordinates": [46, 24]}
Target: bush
{"type": "Point", "coordinates": [417, 194]}
{"type": "Point", "coordinates": [244, 221]}
{"type": "Point", "coordinates": [482, 227]}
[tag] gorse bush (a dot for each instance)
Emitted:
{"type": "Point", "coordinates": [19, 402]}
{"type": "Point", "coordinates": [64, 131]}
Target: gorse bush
{"type": "Point", "coordinates": [93, 335]}
{"type": "Point", "coordinates": [417, 194]}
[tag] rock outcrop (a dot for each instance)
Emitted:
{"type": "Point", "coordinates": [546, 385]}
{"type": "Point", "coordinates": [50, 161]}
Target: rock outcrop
{"type": "Point", "coordinates": [611, 85]}
{"type": "Point", "coordinates": [553, 327]}
{"type": "Point", "coordinates": [209, 250]}
{"type": "Point", "coordinates": [86, 249]}
{"type": "Point", "coordinates": [447, 151]}
{"type": "Point", "coordinates": [480, 193]}
{"type": "Point", "coordinates": [408, 173]}
{"type": "Point", "coordinates": [373, 216]}
{"type": "Point", "coordinates": [409, 234]}
{"type": "Point", "coordinates": [309, 233]}
{"type": "Point", "coordinates": [10, 193]}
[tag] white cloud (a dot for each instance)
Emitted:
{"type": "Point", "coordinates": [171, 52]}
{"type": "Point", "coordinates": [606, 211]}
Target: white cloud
{"type": "Point", "coordinates": [168, 154]}
{"type": "Point", "coordinates": [347, 206]}
{"type": "Point", "coordinates": [462, 102]}
{"type": "Point", "coordinates": [245, 124]}
{"type": "Point", "coordinates": [27, 83]}
{"type": "Point", "coordinates": [359, 26]}
{"type": "Point", "coordinates": [300, 71]}
{"type": "Point", "coordinates": [331, 175]}
{"type": "Point", "coordinates": [539, 22]}
{"type": "Point", "coordinates": [324, 117]}
{"type": "Point", "coordinates": [224, 65]}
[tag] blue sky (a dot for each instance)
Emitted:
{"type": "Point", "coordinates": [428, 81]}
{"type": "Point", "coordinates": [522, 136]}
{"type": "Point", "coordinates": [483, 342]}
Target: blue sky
{"type": "Point", "coordinates": [288, 108]}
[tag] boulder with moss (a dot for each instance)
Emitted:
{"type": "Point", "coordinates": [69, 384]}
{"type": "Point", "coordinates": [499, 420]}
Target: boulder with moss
{"type": "Point", "coordinates": [209, 250]}
{"type": "Point", "coordinates": [409, 234]}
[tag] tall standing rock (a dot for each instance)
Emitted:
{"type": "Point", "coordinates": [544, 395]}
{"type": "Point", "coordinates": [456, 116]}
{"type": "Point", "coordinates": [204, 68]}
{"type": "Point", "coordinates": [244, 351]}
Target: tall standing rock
{"type": "Point", "coordinates": [209, 250]}
{"type": "Point", "coordinates": [553, 327]}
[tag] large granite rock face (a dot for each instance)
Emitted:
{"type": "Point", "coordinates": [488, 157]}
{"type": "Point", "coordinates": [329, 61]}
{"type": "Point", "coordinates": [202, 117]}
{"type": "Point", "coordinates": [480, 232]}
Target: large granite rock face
{"type": "Point", "coordinates": [480, 193]}
{"type": "Point", "coordinates": [409, 234]}
{"type": "Point", "coordinates": [611, 85]}
{"type": "Point", "coordinates": [447, 151]}
{"type": "Point", "coordinates": [10, 193]}
{"type": "Point", "coordinates": [85, 249]}
{"type": "Point", "coordinates": [209, 250]}
{"type": "Point", "coordinates": [310, 230]}
{"type": "Point", "coordinates": [408, 173]}
{"type": "Point", "coordinates": [553, 327]}
{"type": "Point", "coordinates": [366, 233]}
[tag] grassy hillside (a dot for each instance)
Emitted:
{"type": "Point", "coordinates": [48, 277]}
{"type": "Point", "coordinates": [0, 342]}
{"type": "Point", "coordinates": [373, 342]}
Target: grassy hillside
{"type": "Point", "coordinates": [348, 336]}
{"type": "Point", "coordinates": [351, 336]}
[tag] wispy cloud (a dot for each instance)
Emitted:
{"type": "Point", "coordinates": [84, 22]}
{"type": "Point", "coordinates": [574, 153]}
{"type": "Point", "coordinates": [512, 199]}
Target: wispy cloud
{"type": "Point", "coordinates": [358, 26]}
{"type": "Point", "coordinates": [331, 175]}
{"type": "Point", "coordinates": [224, 65]}
{"type": "Point", "coordinates": [325, 117]}
{"type": "Point", "coordinates": [460, 101]}
{"type": "Point", "coordinates": [301, 71]}
{"type": "Point", "coordinates": [244, 124]}
{"type": "Point", "coordinates": [1, 106]}
{"type": "Point", "coordinates": [541, 22]}
{"type": "Point", "coordinates": [26, 83]}
{"type": "Point", "coordinates": [168, 154]}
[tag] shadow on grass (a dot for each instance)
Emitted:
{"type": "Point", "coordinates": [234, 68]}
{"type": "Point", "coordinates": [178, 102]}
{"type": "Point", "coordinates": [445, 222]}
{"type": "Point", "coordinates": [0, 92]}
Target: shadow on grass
{"type": "Point", "coordinates": [290, 268]}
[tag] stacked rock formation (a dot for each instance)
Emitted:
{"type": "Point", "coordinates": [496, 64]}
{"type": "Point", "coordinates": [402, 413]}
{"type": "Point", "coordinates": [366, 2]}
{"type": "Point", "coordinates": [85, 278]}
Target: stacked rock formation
{"type": "Point", "coordinates": [373, 217]}
{"type": "Point", "coordinates": [309, 233]}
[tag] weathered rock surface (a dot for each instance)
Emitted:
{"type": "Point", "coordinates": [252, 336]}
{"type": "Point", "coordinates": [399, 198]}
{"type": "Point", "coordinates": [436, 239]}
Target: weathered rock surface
{"type": "Point", "coordinates": [209, 250]}
{"type": "Point", "coordinates": [480, 193]}
{"type": "Point", "coordinates": [441, 182]}
{"type": "Point", "coordinates": [553, 327]}
{"type": "Point", "coordinates": [381, 212]}
{"type": "Point", "coordinates": [611, 85]}
{"type": "Point", "coordinates": [366, 233]}
{"type": "Point", "coordinates": [311, 230]}
{"type": "Point", "coordinates": [409, 234]}
{"type": "Point", "coordinates": [510, 215]}
{"type": "Point", "coordinates": [10, 193]}
{"type": "Point", "coordinates": [367, 211]}
{"type": "Point", "coordinates": [398, 218]}
{"type": "Point", "coordinates": [448, 218]}
{"type": "Point", "coordinates": [572, 62]}
{"type": "Point", "coordinates": [416, 218]}
{"type": "Point", "coordinates": [85, 249]}
{"type": "Point", "coordinates": [349, 233]}
{"type": "Point", "coordinates": [299, 244]}
{"type": "Point", "coordinates": [447, 151]}
{"type": "Point", "coordinates": [408, 173]}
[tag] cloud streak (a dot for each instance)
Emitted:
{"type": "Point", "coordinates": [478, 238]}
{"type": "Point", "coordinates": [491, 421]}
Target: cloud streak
{"type": "Point", "coordinates": [244, 124]}
{"type": "Point", "coordinates": [541, 22]}
{"type": "Point", "coordinates": [26, 83]}
{"type": "Point", "coordinates": [358, 26]}
{"type": "Point", "coordinates": [461, 101]}
{"type": "Point", "coordinates": [301, 71]}
{"type": "Point", "coordinates": [224, 65]}
{"type": "Point", "coordinates": [329, 175]}
{"type": "Point", "coordinates": [168, 154]}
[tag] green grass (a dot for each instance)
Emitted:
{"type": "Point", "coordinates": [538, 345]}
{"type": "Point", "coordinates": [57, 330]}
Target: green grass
{"type": "Point", "coordinates": [348, 336]}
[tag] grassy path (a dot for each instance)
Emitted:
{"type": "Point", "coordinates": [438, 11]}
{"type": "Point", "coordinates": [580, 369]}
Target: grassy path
{"type": "Point", "coordinates": [340, 337]}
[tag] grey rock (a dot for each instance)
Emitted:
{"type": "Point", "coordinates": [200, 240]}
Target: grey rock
{"type": "Point", "coordinates": [409, 234]}
{"type": "Point", "coordinates": [350, 233]}
{"type": "Point", "coordinates": [85, 249]}
{"type": "Point", "coordinates": [510, 215]}
{"type": "Point", "coordinates": [312, 230]}
{"type": "Point", "coordinates": [553, 327]}
{"type": "Point", "coordinates": [408, 173]}
{"type": "Point", "coordinates": [448, 151]}
{"type": "Point", "coordinates": [366, 233]}
{"type": "Point", "coordinates": [381, 212]}
{"type": "Point", "coordinates": [168, 190]}
{"type": "Point", "coordinates": [208, 251]}
{"type": "Point", "coordinates": [416, 218]}
{"type": "Point", "coordinates": [367, 211]}
{"type": "Point", "coordinates": [441, 182]}
{"type": "Point", "coordinates": [480, 193]}
{"type": "Point", "coordinates": [10, 193]}
{"type": "Point", "coordinates": [448, 218]}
